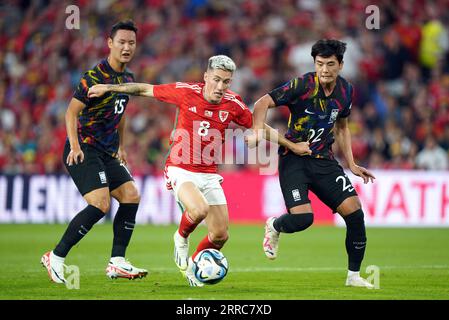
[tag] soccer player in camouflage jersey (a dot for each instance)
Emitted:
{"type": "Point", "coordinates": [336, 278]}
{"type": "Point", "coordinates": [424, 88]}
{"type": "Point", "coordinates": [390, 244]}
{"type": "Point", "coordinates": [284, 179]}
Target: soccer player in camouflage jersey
{"type": "Point", "coordinates": [95, 158]}
{"type": "Point", "coordinates": [319, 103]}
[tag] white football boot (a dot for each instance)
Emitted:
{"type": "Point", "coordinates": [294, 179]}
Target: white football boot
{"type": "Point", "coordinates": [190, 276]}
{"type": "Point", "coordinates": [271, 240]}
{"type": "Point", "coordinates": [119, 267]}
{"type": "Point", "coordinates": [181, 253]}
{"type": "Point", "coordinates": [54, 265]}
{"type": "Point", "coordinates": [357, 281]}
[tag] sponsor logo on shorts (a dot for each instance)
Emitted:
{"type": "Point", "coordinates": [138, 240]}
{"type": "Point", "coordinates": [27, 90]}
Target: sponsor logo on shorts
{"type": "Point", "coordinates": [296, 195]}
{"type": "Point", "coordinates": [102, 175]}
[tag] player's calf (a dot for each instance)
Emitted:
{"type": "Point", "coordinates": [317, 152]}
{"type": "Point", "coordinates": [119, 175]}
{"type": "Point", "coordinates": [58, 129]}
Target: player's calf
{"type": "Point", "coordinates": [290, 222]}
{"type": "Point", "coordinates": [355, 239]}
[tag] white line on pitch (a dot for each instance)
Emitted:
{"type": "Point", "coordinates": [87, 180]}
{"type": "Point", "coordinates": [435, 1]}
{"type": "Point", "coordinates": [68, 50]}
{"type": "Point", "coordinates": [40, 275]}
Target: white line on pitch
{"type": "Point", "coordinates": [309, 269]}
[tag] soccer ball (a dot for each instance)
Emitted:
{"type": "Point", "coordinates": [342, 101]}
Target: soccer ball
{"type": "Point", "coordinates": [210, 266]}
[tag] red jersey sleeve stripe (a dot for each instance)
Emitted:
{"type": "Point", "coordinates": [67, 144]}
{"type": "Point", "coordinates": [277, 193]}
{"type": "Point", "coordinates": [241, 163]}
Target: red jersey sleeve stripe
{"type": "Point", "coordinates": [183, 85]}
{"type": "Point", "coordinates": [234, 99]}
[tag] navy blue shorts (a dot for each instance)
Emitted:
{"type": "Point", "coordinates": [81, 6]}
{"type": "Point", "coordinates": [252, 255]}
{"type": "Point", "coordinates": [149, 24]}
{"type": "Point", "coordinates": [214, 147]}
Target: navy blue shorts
{"type": "Point", "coordinates": [98, 170]}
{"type": "Point", "coordinates": [324, 177]}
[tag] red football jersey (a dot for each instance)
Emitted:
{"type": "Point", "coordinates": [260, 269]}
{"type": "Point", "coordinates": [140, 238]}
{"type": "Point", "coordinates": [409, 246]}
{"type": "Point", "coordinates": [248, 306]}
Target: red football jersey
{"type": "Point", "coordinates": [196, 141]}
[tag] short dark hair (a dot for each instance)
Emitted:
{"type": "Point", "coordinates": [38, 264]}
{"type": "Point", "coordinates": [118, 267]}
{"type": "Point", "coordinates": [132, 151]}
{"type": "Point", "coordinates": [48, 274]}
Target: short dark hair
{"type": "Point", "coordinates": [326, 48]}
{"type": "Point", "coordinates": [123, 25]}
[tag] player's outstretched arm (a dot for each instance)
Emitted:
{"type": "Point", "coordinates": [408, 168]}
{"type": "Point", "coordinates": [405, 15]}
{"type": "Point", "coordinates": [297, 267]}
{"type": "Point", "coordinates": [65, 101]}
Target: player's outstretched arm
{"type": "Point", "coordinates": [136, 89]}
{"type": "Point", "coordinates": [300, 148]}
{"type": "Point", "coordinates": [260, 111]}
{"type": "Point", "coordinates": [259, 114]}
{"type": "Point", "coordinates": [343, 138]}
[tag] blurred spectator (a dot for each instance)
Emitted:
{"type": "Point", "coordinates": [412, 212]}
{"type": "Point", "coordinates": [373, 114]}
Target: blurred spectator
{"type": "Point", "coordinates": [432, 157]}
{"type": "Point", "coordinates": [434, 41]}
{"type": "Point", "coordinates": [400, 72]}
{"type": "Point", "coordinates": [395, 56]}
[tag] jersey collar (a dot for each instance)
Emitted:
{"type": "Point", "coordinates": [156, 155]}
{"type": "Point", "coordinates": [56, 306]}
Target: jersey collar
{"type": "Point", "coordinates": [321, 90]}
{"type": "Point", "coordinates": [110, 70]}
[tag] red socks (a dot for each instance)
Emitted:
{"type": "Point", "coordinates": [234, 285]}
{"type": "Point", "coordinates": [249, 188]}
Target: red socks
{"type": "Point", "coordinates": [206, 244]}
{"type": "Point", "coordinates": [187, 225]}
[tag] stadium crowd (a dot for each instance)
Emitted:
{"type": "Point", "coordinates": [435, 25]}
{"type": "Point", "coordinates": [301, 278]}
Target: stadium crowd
{"type": "Point", "coordinates": [400, 115]}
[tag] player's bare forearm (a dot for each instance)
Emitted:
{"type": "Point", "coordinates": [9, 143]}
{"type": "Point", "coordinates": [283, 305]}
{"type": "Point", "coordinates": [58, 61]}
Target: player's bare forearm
{"type": "Point", "coordinates": [121, 131]}
{"type": "Point", "coordinates": [273, 135]}
{"type": "Point", "coordinates": [71, 126]}
{"type": "Point", "coordinates": [259, 114]}
{"type": "Point", "coordinates": [301, 148]}
{"type": "Point", "coordinates": [121, 154]}
{"type": "Point", "coordinates": [269, 134]}
{"type": "Point", "coordinates": [260, 111]}
{"type": "Point", "coordinates": [343, 138]}
{"type": "Point", "coordinates": [136, 89]}
{"type": "Point", "coordinates": [71, 121]}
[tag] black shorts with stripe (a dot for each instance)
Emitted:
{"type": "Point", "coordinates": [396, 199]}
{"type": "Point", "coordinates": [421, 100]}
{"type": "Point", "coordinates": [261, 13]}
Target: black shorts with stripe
{"type": "Point", "coordinates": [324, 177]}
{"type": "Point", "coordinates": [98, 170]}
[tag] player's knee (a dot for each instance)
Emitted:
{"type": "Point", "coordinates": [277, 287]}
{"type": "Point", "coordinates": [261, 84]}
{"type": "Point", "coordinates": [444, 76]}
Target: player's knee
{"type": "Point", "coordinates": [199, 212]}
{"type": "Point", "coordinates": [127, 193]}
{"type": "Point", "coordinates": [355, 205]}
{"type": "Point", "coordinates": [131, 195]}
{"type": "Point", "coordinates": [349, 205]}
{"type": "Point", "coordinates": [102, 203]}
{"type": "Point", "coordinates": [290, 223]}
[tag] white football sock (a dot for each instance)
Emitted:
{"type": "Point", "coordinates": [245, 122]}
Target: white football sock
{"type": "Point", "coordinates": [117, 259]}
{"type": "Point", "coordinates": [353, 273]}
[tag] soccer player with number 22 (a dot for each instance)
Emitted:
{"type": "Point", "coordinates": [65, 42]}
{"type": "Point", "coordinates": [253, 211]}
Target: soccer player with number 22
{"type": "Point", "coordinates": [320, 103]}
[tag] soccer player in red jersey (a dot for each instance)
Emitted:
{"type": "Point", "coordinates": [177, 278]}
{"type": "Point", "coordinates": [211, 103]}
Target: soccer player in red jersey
{"type": "Point", "coordinates": [205, 111]}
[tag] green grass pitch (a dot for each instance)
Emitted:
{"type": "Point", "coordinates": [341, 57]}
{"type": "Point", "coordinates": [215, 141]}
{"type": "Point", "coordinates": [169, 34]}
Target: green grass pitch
{"type": "Point", "coordinates": [413, 264]}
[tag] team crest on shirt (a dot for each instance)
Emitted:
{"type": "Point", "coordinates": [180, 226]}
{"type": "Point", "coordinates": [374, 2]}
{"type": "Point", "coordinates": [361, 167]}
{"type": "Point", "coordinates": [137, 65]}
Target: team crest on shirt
{"type": "Point", "coordinates": [333, 116]}
{"type": "Point", "coordinates": [223, 115]}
